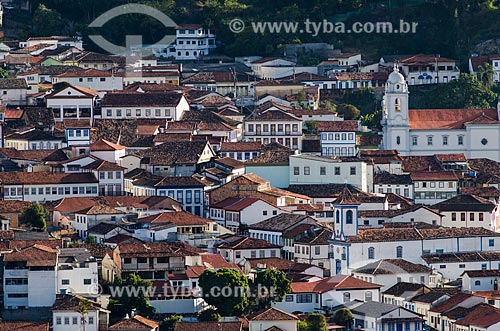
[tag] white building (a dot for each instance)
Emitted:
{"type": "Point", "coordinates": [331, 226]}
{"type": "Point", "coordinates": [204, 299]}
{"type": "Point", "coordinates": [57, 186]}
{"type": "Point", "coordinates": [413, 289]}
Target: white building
{"type": "Point", "coordinates": [192, 42]}
{"type": "Point", "coordinates": [480, 280]}
{"type": "Point", "coordinates": [30, 277]}
{"type": "Point", "coordinates": [476, 60]}
{"type": "Point", "coordinates": [38, 186]}
{"type": "Point", "coordinates": [72, 102]}
{"type": "Point", "coordinates": [432, 187]}
{"type": "Point", "coordinates": [466, 210]}
{"type": "Point", "coordinates": [67, 315]}
{"type": "Point", "coordinates": [107, 151]}
{"type": "Point", "coordinates": [110, 176]}
{"type": "Point", "coordinates": [169, 106]}
{"type": "Point", "coordinates": [97, 80]}
{"type": "Point", "coordinates": [32, 139]}
{"type": "Point", "coordinates": [390, 183]}
{"type": "Point", "coordinates": [13, 91]}
{"type": "Point", "coordinates": [274, 125]}
{"type": "Point", "coordinates": [307, 169]}
{"type": "Point", "coordinates": [77, 271]}
{"type": "Point", "coordinates": [338, 138]}
{"type": "Point", "coordinates": [327, 293]}
{"type": "Point", "coordinates": [272, 319]}
{"type": "Point", "coordinates": [473, 132]}
{"type": "Point", "coordinates": [237, 248]}
{"type": "Point", "coordinates": [374, 316]}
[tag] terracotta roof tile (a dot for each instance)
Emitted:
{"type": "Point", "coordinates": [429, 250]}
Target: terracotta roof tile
{"type": "Point", "coordinates": [37, 178]}
{"type": "Point", "coordinates": [208, 326]}
{"type": "Point", "coordinates": [338, 282]}
{"type": "Point", "coordinates": [434, 176]}
{"type": "Point", "coordinates": [272, 314]}
{"type": "Point", "coordinates": [241, 242]}
{"type": "Point", "coordinates": [337, 126]}
{"type": "Point", "coordinates": [434, 119]}
{"type": "Point", "coordinates": [24, 326]}
{"type": "Point", "coordinates": [134, 323]}
{"type": "Point", "coordinates": [104, 145]}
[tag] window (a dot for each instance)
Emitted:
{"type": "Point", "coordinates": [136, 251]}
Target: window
{"type": "Point", "coordinates": [477, 283]}
{"type": "Point", "coordinates": [66, 320]}
{"type": "Point", "coordinates": [353, 170]}
{"type": "Point", "coordinates": [118, 113]}
{"type": "Point", "coordinates": [471, 217]}
{"type": "Point", "coordinates": [371, 253]}
{"type": "Point", "coordinates": [307, 171]}
{"type": "Point", "coordinates": [322, 171]}
{"type": "Point", "coordinates": [429, 140]}
{"type": "Point", "coordinates": [296, 171]}
{"type": "Point", "coordinates": [137, 112]}
{"type": "Point", "coordinates": [462, 217]}
{"type": "Point", "coordinates": [289, 298]}
{"type": "Point", "coordinates": [91, 320]}
{"type": "Point", "coordinates": [58, 320]}
{"type": "Point", "coordinates": [453, 217]}
{"type": "Point", "coordinates": [127, 260]}
{"type": "Point", "coordinates": [65, 282]}
{"type": "Point", "coordinates": [461, 266]}
{"type": "Point", "coordinates": [445, 140]}
{"type": "Point", "coordinates": [157, 112]}
{"type": "Point", "coordinates": [347, 297]}
{"type": "Point", "coordinates": [337, 171]}
{"type": "Point", "coordinates": [414, 140]}
{"type": "Point", "coordinates": [399, 252]}
{"type": "Point", "coordinates": [87, 281]}
{"type": "Point", "coordinates": [481, 217]}
{"type": "Point", "coordinates": [368, 296]}
{"type": "Point", "coordinates": [304, 298]}
{"type": "Point", "coordinates": [75, 320]}
{"type": "Point", "coordinates": [398, 140]}
{"type": "Point", "coordinates": [460, 140]}
{"type": "Point", "coordinates": [317, 250]}
{"type": "Point", "coordinates": [348, 217]}
{"type": "Point", "coordinates": [491, 242]}
{"type": "Point", "coordinates": [128, 112]}
{"type": "Point", "coordinates": [253, 254]}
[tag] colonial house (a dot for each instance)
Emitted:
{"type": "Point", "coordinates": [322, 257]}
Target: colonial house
{"type": "Point", "coordinates": [13, 91]}
{"type": "Point", "coordinates": [324, 294]}
{"type": "Point", "coordinates": [480, 280]}
{"type": "Point", "coordinates": [107, 151]}
{"type": "Point", "coordinates": [192, 42]}
{"type": "Point", "coordinates": [250, 185]}
{"type": "Point", "coordinates": [477, 60]}
{"type": "Point", "coordinates": [427, 69]}
{"type": "Point", "coordinates": [272, 319]}
{"type": "Point", "coordinates": [236, 248]}
{"type": "Point", "coordinates": [88, 218]}
{"type": "Point", "coordinates": [110, 176]}
{"type": "Point", "coordinates": [390, 183]}
{"type": "Point", "coordinates": [231, 83]}
{"type": "Point", "coordinates": [97, 80]}
{"type": "Point", "coordinates": [388, 272]}
{"type": "Point", "coordinates": [168, 106]}
{"type": "Point", "coordinates": [177, 158]}
{"type": "Point", "coordinates": [312, 247]}
{"type": "Point", "coordinates": [72, 102]}
{"type": "Point", "coordinates": [177, 226]}
{"type": "Point", "coordinates": [32, 139]}
{"type": "Point", "coordinates": [466, 210]}
{"type": "Point", "coordinates": [274, 125]}
{"type": "Point", "coordinates": [77, 271]}
{"type": "Point", "coordinates": [36, 186]}
{"type": "Point", "coordinates": [234, 212]}
{"type": "Point", "coordinates": [432, 187]}
{"type": "Point", "coordinates": [189, 191]}
{"type": "Point", "coordinates": [136, 323]}
{"type": "Point", "coordinates": [338, 138]}
{"type": "Point", "coordinates": [372, 316]}
{"type": "Point", "coordinates": [67, 315]}
{"type": "Point", "coordinates": [452, 265]}
{"type": "Point", "coordinates": [430, 131]}
{"type": "Point", "coordinates": [307, 169]}
{"type": "Point", "coordinates": [439, 315]}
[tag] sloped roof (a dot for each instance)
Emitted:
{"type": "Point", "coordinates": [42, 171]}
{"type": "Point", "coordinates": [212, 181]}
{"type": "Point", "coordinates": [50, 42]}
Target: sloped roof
{"type": "Point", "coordinates": [135, 323]}
{"type": "Point", "coordinates": [105, 145]}
{"type": "Point", "coordinates": [392, 266]}
{"type": "Point", "coordinates": [447, 119]}
{"type": "Point", "coordinates": [338, 126]}
{"type": "Point", "coordinates": [272, 314]}
{"type": "Point", "coordinates": [337, 282]}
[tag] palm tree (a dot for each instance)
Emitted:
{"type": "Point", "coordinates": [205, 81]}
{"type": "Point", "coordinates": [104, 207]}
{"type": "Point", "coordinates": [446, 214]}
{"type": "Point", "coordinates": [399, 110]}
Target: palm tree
{"type": "Point", "coordinates": [83, 309]}
{"type": "Point", "coordinates": [486, 73]}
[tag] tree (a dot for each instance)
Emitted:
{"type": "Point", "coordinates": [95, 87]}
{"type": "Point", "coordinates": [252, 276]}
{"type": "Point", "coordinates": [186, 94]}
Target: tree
{"type": "Point", "coordinates": [46, 21]}
{"type": "Point", "coordinates": [343, 317]}
{"type": "Point", "coordinates": [83, 309]}
{"type": "Point", "coordinates": [317, 322]}
{"type": "Point", "coordinates": [3, 73]}
{"type": "Point", "coordinates": [135, 295]}
{"type": "Point", "coordinates": [350, 112]}
{"type": "Point", "coordinates": [35, 216]}
{"type": "Point", "coordinates": [168, 324]}
{"type": "Point", "coordinates": [209, 315]}
{"type": "Point", "coordinates": [486, 73]}
{"type": "Point", "coordinates": [275, 282]}
{"type": "Point", "coordinates": [225, 289]}
{"type": "Point", "coordinates": [327, 105]}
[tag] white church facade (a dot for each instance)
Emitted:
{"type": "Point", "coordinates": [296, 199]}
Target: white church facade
{"type": "Point", "coordinates": [474, 132]}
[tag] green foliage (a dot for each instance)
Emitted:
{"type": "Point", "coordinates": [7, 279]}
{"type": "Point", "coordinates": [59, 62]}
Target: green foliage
{"type": "Point", "coordinates": [133, 299]}
{"type": "Point", "coordinates": [327, 105]}
{"type": "Point", "coordinates": [275, 281]}
{"type": "Point", "coordinates": [4, 73]}
{"type": "Point", "coordinates": [372, 120]}
{"type": "Point", "coordinates": [35, 216]}
{"type": "Point", "coordinates": [168, 323]}
{"type": "Point", "coordinates": [59, 86]}
{"type": "Point", "coordinates": [465, 92]}
{"type": "Point", "coordinates": [313, 322]}
{"type": "Point", "coordinates": [209, 315]}
{"type": "Point", "coordinates": [90, 240]}
{"type": "Point", "coordinates": [311, 127]}
{"type": "Point", "coordinates": [47, 22]}
{"type": "Point", "coordinates": [343, 317]}
{"type": "Point", "coordinates": [486, 73]}
{"type": "Point", "coordinates": [350, 112]}
{"type": "Point", "coordinates": [212, 283]}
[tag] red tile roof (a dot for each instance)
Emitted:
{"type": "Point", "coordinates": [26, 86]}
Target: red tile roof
{"type": "Point", "coordinates": [435, 119]}
{"type": "Point", "coordinates": [135, 323]}
{"type": "Point", "coordinates": [34, 256]}
{"type": "Point", "coordinates": [338, 282]}
{"type": "Point", "coordinates": [13, 114]}
{"type": "Point", "coordinates": [37, 178]}
{"type": "Point", "coordinates": [24, 326]}
{"type": "Point", "coordinates": [181, 218]}
{"type": "Point", "coordinates": [240, 146]}
{"type": "Point", "coordinates": [104, 145]}
{"type": "Point", "coordinates": [451, 303]}
{"type": "Point", "coordinates": [235, 204]}
{"type": "Point", "coordinates": [272, 314]}
{"type": "Point", "coordinates": [434, 175]}
{"type": "Point", "coordinates": [336, 126]}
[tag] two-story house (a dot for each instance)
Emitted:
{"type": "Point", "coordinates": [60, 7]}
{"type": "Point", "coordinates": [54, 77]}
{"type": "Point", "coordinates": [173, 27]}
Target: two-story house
{"type": "Point", "coordinates": [338, 138]}
{"type": "Point", "coordinates": [72, 102]}
{"type": "Point", "coordinates": [110, 176]}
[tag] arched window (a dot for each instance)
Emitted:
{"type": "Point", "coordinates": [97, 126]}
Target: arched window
{"type": "Point", "coordinates": [348, 217]}
{"type": "Point", "coordinates": [397, 105]}
{"type": "Point", "coordinates": [398, 140]}
{"type": "Point", "coordinates": [337, 216]}
{"type": "Point", "coordinates": [371, 253]}
{"type": "Point", "coordinates": [399, 252]}
{"type": "Point", "coordinates": [477, 283]}
{"type": "Point", "coordinates": [347, 297]}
